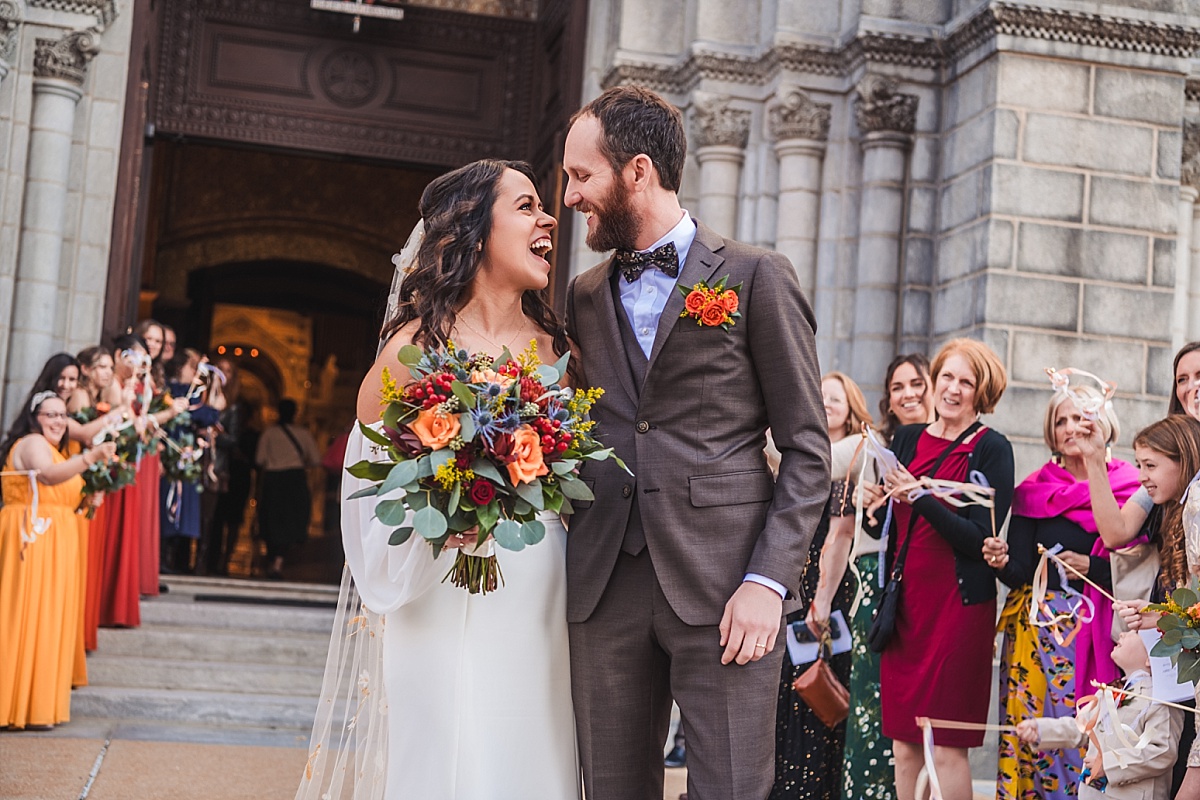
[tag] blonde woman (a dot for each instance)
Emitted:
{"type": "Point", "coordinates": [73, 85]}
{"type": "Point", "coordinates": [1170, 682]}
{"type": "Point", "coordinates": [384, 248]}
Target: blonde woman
{"type": "Point", "coordinates": [808, 754]}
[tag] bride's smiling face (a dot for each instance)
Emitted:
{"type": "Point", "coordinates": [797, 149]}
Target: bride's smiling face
{"type": "Point", "coordinates": [516, 248]}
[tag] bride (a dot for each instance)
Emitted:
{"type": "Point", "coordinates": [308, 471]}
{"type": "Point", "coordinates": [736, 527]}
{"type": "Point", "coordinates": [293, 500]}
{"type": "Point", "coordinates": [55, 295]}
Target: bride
{"type": "Point", "coordinates": [474, 699]}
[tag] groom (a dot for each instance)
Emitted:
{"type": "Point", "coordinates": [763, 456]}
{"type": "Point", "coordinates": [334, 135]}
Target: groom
{"type": "Point", "coordinates": [678, 578]}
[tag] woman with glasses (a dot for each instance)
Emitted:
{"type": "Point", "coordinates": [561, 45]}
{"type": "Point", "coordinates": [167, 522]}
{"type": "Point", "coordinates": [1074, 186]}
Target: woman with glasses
{"type": "Point", "coordinates": [40, 572]}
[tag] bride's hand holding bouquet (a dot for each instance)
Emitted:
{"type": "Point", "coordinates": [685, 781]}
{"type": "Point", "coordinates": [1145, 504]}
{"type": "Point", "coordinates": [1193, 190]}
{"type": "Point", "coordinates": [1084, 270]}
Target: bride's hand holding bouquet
{"type": "Point", "coordinates": [478, 445]}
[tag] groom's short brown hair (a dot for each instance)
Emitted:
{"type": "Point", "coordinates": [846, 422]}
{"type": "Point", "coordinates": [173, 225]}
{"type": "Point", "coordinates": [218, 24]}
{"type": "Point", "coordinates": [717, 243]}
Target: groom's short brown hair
{"type": "Point", "coordinates": [636, 120]}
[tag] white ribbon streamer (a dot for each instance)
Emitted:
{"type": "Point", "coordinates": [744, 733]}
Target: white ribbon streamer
{"type": "Point", "coordinates": [37, 526]}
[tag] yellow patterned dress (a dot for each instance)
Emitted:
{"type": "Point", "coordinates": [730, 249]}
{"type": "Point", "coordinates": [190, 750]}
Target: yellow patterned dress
{"type": "Point", "coordinates": [40, 605]}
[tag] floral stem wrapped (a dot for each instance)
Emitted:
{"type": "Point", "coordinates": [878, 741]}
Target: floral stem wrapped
{"type": "Point", "coordinates": [479, 443]}
{"type": "Point", "coordinates": [1180, 626]}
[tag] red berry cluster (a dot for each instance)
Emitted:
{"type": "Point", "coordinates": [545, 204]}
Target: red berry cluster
{"type": "Point", "coordinates": [431, 391]}
{"type": "Point", "coordinates": [555, 441]}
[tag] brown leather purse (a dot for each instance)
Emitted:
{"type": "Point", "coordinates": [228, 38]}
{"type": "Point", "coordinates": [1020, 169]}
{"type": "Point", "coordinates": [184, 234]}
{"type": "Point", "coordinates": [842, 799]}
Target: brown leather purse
{"type": "Point", "coordinates": [821, 691]}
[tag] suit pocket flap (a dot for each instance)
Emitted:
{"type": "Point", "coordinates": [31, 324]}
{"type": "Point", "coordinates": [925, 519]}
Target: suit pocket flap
{"type": "Point", "coordinates": [731, 488]}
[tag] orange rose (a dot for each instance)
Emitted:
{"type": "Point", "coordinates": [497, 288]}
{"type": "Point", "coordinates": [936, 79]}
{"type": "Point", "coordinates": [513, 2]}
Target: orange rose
{"type": "Point", "coordinates": [729, 300]}
{"type": "Point", "coordinates": [435, 429]}
{"type": "Point", "coordinates": [527, 464]}
{"type": "Point", "coordinates": [713, 314]}
{"type": "Point", "coordinates": [491, 376]}
{"type": "Point", "coordinates": [695, 301]}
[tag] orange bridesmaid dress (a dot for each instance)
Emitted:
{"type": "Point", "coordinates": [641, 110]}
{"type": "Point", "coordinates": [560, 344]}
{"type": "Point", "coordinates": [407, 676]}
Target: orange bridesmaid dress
{"type": "Point", "coordinates": [40, 585]}
{"type": "Point", "coordinates": [96, 529]}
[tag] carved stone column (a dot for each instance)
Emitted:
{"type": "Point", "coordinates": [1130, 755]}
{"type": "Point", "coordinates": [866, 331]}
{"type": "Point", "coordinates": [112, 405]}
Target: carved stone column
{"type": "Point", "coordinates": [10, 21]}
{"type": "Point", "coordinates": [59, 67]}
{"type": "Point", "coordinates": [887, 119]}
{"type": "Point", "coordinates": [1186, 317]}
{"type": "Point", "coordinates": [800, 128]}
{"type": "Point", "coordinates": [721, 133]}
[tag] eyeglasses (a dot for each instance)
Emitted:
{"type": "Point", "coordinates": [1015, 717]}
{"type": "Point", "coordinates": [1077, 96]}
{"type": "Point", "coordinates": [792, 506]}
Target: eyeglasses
{"type": "Point", "coordinates": [54, 415]}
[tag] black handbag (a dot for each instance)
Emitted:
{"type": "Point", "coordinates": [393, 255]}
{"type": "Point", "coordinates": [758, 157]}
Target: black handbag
{"type": "Point", "coordinates": [884, 623]}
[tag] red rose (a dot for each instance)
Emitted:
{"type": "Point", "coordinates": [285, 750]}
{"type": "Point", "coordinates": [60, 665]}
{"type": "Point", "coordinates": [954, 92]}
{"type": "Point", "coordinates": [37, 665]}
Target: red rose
{"type": "Point", "coordinates": [481, 492]}
{"type": "Point", "coordinates": [694, 302]}
{"type": "Point", "coordinates": [713, 314]}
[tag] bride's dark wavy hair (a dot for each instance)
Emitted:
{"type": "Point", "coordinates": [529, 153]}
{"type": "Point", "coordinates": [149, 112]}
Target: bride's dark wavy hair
{"type": "Point", "coordinates": [457, 209]}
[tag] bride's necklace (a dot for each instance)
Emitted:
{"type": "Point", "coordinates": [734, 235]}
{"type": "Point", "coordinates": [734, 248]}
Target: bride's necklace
{"type": "Point", "coordinates": [488, 339]}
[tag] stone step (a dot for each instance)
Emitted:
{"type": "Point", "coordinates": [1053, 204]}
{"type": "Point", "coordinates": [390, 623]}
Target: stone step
{"type": "Point", "coordinates": [193, 707]}
{"type": "Point", "coordinates": [216, 645]}
{"type": "Point", "coordinates": [236, 616]}
{"type": "Point", "coordinates": [256, 591]}
{"type": "Point", "coordinates": [174, 674]}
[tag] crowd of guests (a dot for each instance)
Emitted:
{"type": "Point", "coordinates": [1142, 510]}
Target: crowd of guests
{"type": "Point", "coordinates": [1118, 525]}
{"type": "Point", "coordinates": [123, 462]}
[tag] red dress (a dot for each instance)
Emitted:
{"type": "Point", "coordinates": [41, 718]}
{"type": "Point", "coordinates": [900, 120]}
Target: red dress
{"type": "Point", "coordinates": [121, 579]}
{"type": "Point", "coordinates": [148, 475]}
{"type": "Point", "coordinates": [95, 574]}
{"type": "Point", "coordinates": [939, 661]}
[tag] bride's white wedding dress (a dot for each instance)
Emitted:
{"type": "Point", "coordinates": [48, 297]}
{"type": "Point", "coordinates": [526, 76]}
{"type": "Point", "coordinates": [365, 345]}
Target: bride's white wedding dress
{"type": "Point", "coordinates": [478, 688]}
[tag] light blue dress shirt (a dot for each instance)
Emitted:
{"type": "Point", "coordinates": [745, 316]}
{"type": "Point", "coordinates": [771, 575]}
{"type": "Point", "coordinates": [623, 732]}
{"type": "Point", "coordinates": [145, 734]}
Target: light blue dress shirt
{"type": "Point", "coordinates": [644, 300]}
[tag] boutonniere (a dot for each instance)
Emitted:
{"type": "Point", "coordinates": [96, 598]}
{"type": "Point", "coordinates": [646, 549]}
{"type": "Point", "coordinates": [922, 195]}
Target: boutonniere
{"type": "Point", "coordinates": [711, 305]}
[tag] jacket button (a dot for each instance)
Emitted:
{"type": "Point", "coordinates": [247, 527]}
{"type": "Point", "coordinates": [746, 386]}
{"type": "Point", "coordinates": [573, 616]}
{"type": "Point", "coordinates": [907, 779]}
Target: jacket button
{"type": "Point", "coordinates": [642, 426]}
{"type": "Point", "coordinates": [626, 490]}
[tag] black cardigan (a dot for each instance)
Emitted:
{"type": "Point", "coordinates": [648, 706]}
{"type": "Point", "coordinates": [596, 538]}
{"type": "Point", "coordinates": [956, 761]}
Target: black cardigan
{"type": "Point", "coordinates": [966, 528]}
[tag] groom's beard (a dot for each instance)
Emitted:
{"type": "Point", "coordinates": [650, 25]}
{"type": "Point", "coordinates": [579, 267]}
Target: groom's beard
{"type": "Point", "coordinates": [617, 224]}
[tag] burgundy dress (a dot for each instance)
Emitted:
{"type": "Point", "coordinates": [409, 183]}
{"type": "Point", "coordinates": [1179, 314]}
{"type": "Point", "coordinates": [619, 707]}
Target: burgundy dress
{"type": "Point", "coordinates": [939, 661]}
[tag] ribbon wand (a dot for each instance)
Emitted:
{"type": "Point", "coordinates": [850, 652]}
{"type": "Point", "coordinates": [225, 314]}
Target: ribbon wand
{"type": "Point", "coordinates": [1080, 575]}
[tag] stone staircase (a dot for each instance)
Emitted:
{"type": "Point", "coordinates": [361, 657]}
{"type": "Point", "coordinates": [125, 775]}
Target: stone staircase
{"type": "Point", "coordinates": [221, 661]}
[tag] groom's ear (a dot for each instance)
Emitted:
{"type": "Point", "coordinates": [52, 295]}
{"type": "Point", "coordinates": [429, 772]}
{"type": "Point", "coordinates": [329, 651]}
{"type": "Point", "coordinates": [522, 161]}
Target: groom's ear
{"type": "Point", "coordinates": [641, 173]}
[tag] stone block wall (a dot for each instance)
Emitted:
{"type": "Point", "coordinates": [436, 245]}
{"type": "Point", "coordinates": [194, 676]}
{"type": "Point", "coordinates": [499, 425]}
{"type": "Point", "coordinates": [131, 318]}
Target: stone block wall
{"type": "Point", "coordinates": [1033, 199]}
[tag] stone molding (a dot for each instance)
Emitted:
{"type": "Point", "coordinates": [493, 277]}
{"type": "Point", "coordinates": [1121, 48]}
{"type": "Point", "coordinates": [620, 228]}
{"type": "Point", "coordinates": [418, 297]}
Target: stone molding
{"type": "Point", "coordinates": [1190, 173]}
{"type": "Point", "coordinates": [880, 106]}
{"type": "Point", "coordinates": [513, 9]}
{"type": "Point", "coordinates": [717, 123]}
{"type": "Point", "coordinates": [797, 116]}
{"type": "Point", "coordinates": [1192, 90]}
{"type": "Point", "coordinates": [103, 10]}
{"type": "Point", "coordinates": [1097, 30]}
{"type": "Point", "coordinates": [67, 58]}
{"type": "Point", "coordinates": [10, 20]}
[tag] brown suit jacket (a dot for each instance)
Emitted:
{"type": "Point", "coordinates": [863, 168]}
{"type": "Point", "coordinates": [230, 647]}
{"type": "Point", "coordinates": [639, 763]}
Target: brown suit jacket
{"type": "Point", "coordinates": [693, 434]}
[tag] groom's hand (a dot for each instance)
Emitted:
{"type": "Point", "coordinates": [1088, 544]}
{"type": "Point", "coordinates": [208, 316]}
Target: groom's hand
{"type": "Point", "coordinates": [750, 623]}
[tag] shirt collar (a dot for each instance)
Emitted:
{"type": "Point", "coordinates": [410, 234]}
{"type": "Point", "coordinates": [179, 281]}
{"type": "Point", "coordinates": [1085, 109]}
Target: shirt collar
{"type": "Point", "coordinates": [682, 236]}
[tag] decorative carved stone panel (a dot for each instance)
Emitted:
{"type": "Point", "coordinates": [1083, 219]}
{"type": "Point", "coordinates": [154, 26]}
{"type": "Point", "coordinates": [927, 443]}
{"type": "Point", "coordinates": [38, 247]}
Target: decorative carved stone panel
{"type": "Point", "coordinates": [798, 116]}
{"type": "Point", "coordinates": [66, 58]}
{"type": "Point", "coordinates": [881, 107]}
{"type": "Point", "coordinates": [10, 20]}
{"type": "Point", "coordinates": [433, 88]}
{"type": "Point", "coordinates": [716, 122]}
{"type": "Point", "coordinates": [1190, 175]}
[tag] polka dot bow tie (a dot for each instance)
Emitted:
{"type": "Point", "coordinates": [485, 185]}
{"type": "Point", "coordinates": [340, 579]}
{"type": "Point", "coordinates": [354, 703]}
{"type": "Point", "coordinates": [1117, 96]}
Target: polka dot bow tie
{"type": "Point", "coordinates": [633, 263]}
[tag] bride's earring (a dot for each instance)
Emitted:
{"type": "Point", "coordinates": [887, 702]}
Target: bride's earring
{"type": "Point", "coordinates": [1107, 453]}
{"type": "Point", "coordinates": [479, 247]}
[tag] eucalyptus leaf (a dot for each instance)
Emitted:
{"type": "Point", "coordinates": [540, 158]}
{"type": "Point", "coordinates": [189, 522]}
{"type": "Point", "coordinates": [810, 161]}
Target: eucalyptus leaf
{"type": "Point", "coordinates": [1173, 637]}
{"type": "Point", "coordinates": [521, 508]}
{"type": "Point", "coordinates": [464, 394]}
{"type": "Point", "coordinates": [1185, 597]}
{"type": "Point", "coordinates": [1166, 622]}
{"type": "Point", "coordinates": [391, 512]}
{"type": "Point", "coordinates": [439, 457]}
{"type": "Point", "coordinates": [562, 363]}
{"type": "Point", "coordinates": [564, 467]}
{"type": "Point", "coordinates": [424, 467]}
{"type": "Point", "coordinates": [1163, 650]}
{"type": "Point", "coordinates": [468, 427]}
{"type": "Point", "coordinates": [1190, 639]}
{"type": "Point", "coordinates": [400, 535]}
{"type": "Point", "coordinates": [1189, 667]}
{"type": "Point", "coordinates": [455, 496]}
{"type": "Point", "coordinates": [567, 508]}
{"type": "Point", "coordinates": [417, 500]}
{"type": "Point", "coordinates": [370, 471]}
{"type": "Point", "coordinates": [462, 520]}
{"type": "Point", "coordinates": [486, 469]}
{"type": "Point", "coordinates": [375, 436]}
{"type": "Point", "coordinates": [404, 473]}
{"type": "Point", "coordinates": [430, 523]}
{"type": "Point", "coordinates": [533, 531]}
{"type": "Point", "coordinates": [410, 355]}
{"type": "Point", "coordinates": [391, 416]}
{"type": "Point", "coordinates": [548, 375]}
{"type": "Point", "coordinates": [508, 535]}
{"type": "Point", "coordinates": [370, 491]}
{"type": "Point", "coordinates": [531, 493]}
{"type": "Point", "coordinates": [576, 490]}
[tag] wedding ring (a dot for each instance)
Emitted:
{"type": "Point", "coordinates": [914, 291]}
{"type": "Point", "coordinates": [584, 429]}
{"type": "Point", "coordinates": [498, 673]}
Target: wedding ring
{"type": "Point", "coordinates": [760, 647]}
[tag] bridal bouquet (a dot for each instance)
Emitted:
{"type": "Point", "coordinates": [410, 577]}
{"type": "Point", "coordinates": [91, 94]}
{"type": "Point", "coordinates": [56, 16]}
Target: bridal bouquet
{"type": "Point", "coordinates": [107, 477]}
{"type": "Point", "coordinates": [477, 442]}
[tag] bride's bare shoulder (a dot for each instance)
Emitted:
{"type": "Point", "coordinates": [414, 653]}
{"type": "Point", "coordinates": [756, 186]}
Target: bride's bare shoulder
{"type": "Point", "coordinates": [370, 391]}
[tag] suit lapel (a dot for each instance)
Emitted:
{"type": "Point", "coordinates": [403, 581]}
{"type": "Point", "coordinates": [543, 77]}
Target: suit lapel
{"type": "Point", "coordinates": [602, 297]}
{"type": "Point", "coordinates": [703, 260]}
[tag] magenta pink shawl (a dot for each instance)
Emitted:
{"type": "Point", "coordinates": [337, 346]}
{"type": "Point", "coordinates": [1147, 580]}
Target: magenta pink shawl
{"type": "Point", "coordinates": [1052, 491]}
